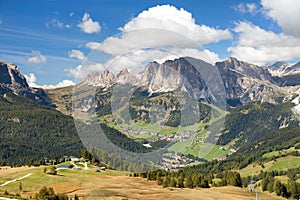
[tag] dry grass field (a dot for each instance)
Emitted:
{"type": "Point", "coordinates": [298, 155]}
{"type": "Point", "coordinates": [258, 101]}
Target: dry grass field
{"type": "Point", "coordinates": [113, 185]}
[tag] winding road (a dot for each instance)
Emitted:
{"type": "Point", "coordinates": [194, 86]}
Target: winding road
{"type": "Point", "coordinates": [18, 179]}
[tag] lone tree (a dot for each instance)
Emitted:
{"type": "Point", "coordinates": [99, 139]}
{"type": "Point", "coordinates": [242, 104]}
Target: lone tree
{"type": "Point", "coordinates": [20, 186]}
{"type": "Point", "coordinates": [53, 170]}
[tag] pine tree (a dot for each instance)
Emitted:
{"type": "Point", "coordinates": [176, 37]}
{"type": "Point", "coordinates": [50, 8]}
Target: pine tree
{"type": "Point", "coordinates": [196, 181]}
{"type": "Point", "coordinates": [278, 188]}
{"type": "Point", "coordinates": [204, 183]}
{"type": "Point", "coordinates": [159, 180]}
{"type": "Point", "coordinates": [173, 182]}
{"type": "Point", "coordinates": [294, 189]}
{"type": "Point", "coordinates": [235, 179]}
{"type": "Point", "coordinates": [188, 181]}
{"type": "Point", "coordinates": [270, 186]}
{"type": "Point", "coordinates": [167, 181]}
{"type": "Point", "coordinates": [20, 186]}
{"type": "Point", "coordinates": [180, 182]}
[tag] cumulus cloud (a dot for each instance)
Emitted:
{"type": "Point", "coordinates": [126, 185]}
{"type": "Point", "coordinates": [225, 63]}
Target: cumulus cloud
{"type": "Point", "coordinates": [31, 80]}
{"type": "Point", "coordinates": [157, 34]}
{"type": "Point", "coordinates": [251, 8]}
{"type": "Point", "coordinates": [87, 25]}
{"type": "Point", "coordinates": [81, 71]}
{"type": "Point", "coordinates": [135, 60]}
{"type": "Point", "coordinates": [76, 54]}
{"type": "Point", "coordinates": [61, 84]}
{"type": "Point", "coordinates": [266, 46]}
{"type": "Point", "coordinates": [161, 26]}
{"type": "Point", "coordinates": [173, 53]}
{"type": "Point", "coordinates": [37, 57]}
{"type": "Point", "coordinates": [285, 13]}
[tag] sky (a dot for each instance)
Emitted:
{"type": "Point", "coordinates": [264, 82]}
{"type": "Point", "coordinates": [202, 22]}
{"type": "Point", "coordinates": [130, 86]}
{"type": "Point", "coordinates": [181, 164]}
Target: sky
{"type": "Point", "coordinates": [56, 43]}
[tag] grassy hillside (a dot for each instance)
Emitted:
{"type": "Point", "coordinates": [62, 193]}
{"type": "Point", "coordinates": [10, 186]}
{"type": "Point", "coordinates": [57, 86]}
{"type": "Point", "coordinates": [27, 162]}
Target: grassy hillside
{"type": "Point", "coordinates": [61, 98]}
{"type": "Point", "coordinates": [248, 123]}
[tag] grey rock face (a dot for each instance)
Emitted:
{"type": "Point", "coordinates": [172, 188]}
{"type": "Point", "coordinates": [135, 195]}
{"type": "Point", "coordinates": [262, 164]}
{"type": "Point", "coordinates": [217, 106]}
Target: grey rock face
{"type": "Point", "coordinates": [10, 76]}
{"type": "Point", "coordinates": [242, 81]}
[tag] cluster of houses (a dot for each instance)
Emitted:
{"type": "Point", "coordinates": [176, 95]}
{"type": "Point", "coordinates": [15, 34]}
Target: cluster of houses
{"type": "Point", "coordinates": [74, 163]}
{"type": "Point", "coordinates": [232, 150]}
{"type": "Point", "coordinates": [176, 161]}
{"type": "Point", "coordinates": [65, 159]}
{"type": "Point", "coordinates": [181, 137]}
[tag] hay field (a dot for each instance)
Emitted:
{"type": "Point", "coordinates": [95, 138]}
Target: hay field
{"type": "Point", "coordinates": [113, 185]}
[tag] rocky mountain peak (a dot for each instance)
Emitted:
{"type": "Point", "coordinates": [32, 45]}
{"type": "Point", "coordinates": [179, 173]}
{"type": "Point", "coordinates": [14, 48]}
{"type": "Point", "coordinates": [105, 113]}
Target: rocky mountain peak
{"type": "Point", "coordinates": [12, 81]}
{"type": "Point", "coordinates": [10, 76]}
{"type": "Point", "coordinates": [285, 74]}
{"type": "Point", "coordinates": [179, 74]}
{"type": "Point", "coordinates": [241, 68]}
{"type": "Point", "coordinates": [106, 78]}
{"type": "Point", "coordinates": [278, 64]}
{"type": "Point", "coordinates": [124, 76]}
{"type": "Point", "coordinates": [232, 60]}
{"type": "Point", "coordinates": [234, 63]}
{"type": "Point", "coordinates": [123, 72]}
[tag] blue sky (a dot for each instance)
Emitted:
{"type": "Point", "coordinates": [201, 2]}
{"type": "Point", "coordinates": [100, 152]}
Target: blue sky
{"type": "Point", "coordinates": [51, 40]}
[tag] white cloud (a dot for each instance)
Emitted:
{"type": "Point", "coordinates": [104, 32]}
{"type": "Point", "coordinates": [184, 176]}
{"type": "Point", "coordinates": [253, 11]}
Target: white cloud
{"type": "Point", "coordinates": [81, 71]}
{"type": "Point", "coordinates": [285, 13]}
{"type": "Point", "coordinates": [157, 34]}
{"type": "Point", "coordinates": [161, 26]}
{"type": "Point", "coordinates": [61, 84]}
{"type": "Point", "coordinates": [205, 55]}
{"type": "Point", "coordinates": [55, 23]}
{"type": "Point", "coordinates": [136, 60]}
{"type": "Point", "coordinates": [76, 54]}
{"type": "Point", "coordinates": [87, 25]}
{"type": "Point", "coordinates": [246, 8]}
{"type": "Point", "coordinates": [31, 80]}
{"type": "Point", "coordinates": [260, 46]}
{"type": "Point", "coordinates": [68, 26]}
{"type": "Point", "coordinates": [37, 57]}
{"type": "Point", "coordinates": [71, 14]}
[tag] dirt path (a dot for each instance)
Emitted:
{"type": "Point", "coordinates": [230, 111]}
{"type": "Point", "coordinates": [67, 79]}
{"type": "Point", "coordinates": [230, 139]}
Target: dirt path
{"type": "Point", "coordinates": [18, 179]}
{"type": "Point", "coordinates": [2, 198]}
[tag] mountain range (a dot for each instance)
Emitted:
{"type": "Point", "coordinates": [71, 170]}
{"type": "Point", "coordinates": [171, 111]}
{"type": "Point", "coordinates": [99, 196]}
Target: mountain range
{"type": "Point", "coordinates": [242, 82]}
{"type": "Point", "coordinates": [258, 101]}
